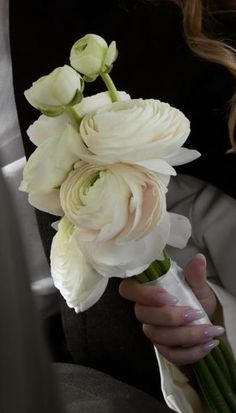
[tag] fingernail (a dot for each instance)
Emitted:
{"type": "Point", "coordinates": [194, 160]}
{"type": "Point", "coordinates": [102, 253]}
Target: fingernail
{"type": "Point", "coordinates": [207, 347]}
{"type": "Point", "coordinates": [213, 331]}
{"type": "Point", "coordinates": [166, 299]}
{"type": "Point", "coordinates": [200, 255]}
{"type": "Point", "coordinates": [191, 315]}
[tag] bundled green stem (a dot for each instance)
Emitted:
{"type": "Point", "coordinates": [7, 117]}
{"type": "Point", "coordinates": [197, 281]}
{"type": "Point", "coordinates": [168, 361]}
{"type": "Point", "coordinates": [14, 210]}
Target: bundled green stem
{"type": "Point", "coordinates": [214, 374]}
{"type": "Point", "coordinates": [155, 270]}
{"type": "Point", "coordinates": [229, 360]}
{"type": "Point", "coordinates": [209, 388]}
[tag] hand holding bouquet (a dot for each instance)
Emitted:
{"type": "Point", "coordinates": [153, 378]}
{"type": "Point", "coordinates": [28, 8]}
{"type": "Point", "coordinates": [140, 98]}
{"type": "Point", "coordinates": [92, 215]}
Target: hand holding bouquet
{"type": "Point", "coordinates": [103, 164]}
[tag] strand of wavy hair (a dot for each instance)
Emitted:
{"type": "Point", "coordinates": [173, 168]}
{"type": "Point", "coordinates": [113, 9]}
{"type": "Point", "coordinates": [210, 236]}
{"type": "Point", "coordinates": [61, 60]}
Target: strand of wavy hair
{"type": "Point", "coordinates": [214, 50]}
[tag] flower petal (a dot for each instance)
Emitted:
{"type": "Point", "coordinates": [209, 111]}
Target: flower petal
{"type": "Point", "coordinates": [129, 258]}
{"type": "Point", "coordinates": [95, 102]}
{"type": "Point", "coordinates": [78, 282]}
{"type": "Point", "coordinates": [180, 230]}
{"type": "Point", "coordinates": [49, 165]}
{"type": "Point", "coordinates": [47, 201]}
{"type": "Point", "coordinates": [46, 127]}
{"type": "Point", "coordinates": [182, 156]}
{"type": "Point", "coordinates": [157, 165]}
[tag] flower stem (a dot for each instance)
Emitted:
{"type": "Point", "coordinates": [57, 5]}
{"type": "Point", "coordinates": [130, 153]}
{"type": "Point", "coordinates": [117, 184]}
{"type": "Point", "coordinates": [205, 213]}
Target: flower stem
{"type": "Point", "coordinates": [110, 86]}
{"type": "Point", "coordinates": [142, 278]}
{"type": "Point", "coordinates": [229, 358]}
{"type": "Point", "coordinates": [210, 390]}
{"type": "Point", "coordinates": [72, 112]}
{"type": "Point", "coordinates": [229, 395]}
{"type": "Point", "coordinates": [155, 270]}
{"type": "Point", "coordinates": [221, 362]}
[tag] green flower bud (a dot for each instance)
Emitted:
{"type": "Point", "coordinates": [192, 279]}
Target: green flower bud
{"type": "Point", "coordinates": [91, 55]}
{"type": "Point", "coordinates": [53, 92]}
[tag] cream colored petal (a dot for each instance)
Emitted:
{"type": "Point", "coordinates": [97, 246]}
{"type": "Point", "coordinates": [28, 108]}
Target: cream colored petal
{"type": "Point", "coordinates": [180, 230]}
{"type": "Point", "coordinates": [157, 165]}
{"type": "Point", "coordinates": [47, 202]}
{"type": "Point", "coordinates": [78, 282]}
{"type": "Point", "coordinates": [46, 127]}
{"type": "Point", "coordinates": [95, 102]}
{"type": "Point", "coordinates": [182, 156]}
{"type": "Point", "coordinates": [129, 258]}
{"type": "Point", "coordinates": [50, 163]}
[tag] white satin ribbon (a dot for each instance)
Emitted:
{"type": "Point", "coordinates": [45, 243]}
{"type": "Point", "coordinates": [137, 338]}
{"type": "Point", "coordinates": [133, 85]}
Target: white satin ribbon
{"type": "Point", "coordinates": [174, 283]}
{"type": "Point", "coordinates": [178, 393]}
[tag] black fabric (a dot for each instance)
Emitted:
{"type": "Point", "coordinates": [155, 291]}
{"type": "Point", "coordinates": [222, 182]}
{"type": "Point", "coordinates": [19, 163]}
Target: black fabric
{"type": "Point", "coordinates": [108, 337]}
{"type": "Point", "coordinates": [86, 390]}
{"type": "Point", "coordinates": [153, 62]}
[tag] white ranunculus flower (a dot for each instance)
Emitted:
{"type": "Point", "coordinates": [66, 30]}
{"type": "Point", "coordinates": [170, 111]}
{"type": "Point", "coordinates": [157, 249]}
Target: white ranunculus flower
{"type": "Point", "coordinates": [90, 55]}
{"type": "Point", "coordinates": [78, 282]}
{"type": "Point", "coordinates": [146, 132]}
{"type": "Point", "coordinates": [48, 167]}
{"type": "Point", "coordinates": [51, 93]}
{"type": "Point", "coordinates": [120, 217]}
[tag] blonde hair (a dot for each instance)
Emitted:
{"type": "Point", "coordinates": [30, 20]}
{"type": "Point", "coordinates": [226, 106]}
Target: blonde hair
{"type": "Point", "coordinates": [214, 50]}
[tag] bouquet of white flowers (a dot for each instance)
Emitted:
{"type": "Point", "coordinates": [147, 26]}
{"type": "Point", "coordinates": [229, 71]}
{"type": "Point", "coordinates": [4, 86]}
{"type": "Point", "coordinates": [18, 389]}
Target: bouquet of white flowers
{"type": "Point", "coordinates": [103, 164]}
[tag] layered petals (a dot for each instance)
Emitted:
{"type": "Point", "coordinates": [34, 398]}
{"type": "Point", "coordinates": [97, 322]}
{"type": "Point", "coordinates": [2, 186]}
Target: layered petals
{"type": "Point", "coordinates": [136, 131]}
{"type": "Point", "coordinates": [48, 167]}
{"type": "Point", "coordinates": [120, 217]}
{"type": "Point", "coordinates": [119, 200]}
{"type": "Point", "coordinates": [80, 285]}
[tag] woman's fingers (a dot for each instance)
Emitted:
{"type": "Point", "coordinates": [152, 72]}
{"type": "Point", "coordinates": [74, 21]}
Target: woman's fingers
{"type": "Point", "coordinates": [144, 294]}
{"type": "Point", "coordinates": [183, 356]}
{"type": "Point", "coordinates": [185, 336]}
{"type": "Point", "coordinates": [196, 276]}
{"type": "Point", "coordinates": [168, 325]}
{"type": "Point", "coordinates": [167, 315]}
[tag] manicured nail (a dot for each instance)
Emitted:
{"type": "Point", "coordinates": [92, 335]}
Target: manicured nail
{"type": "Point", "coordinates": [213, 331]}
{"type": "Point", "coordinates": [166, 299]}
{"type": "Point", "coordinates": [192, 314]}
{"type": "Point", "coordinates": [202, 257]}
{"type": "Point", "coordinates": [207, 347]}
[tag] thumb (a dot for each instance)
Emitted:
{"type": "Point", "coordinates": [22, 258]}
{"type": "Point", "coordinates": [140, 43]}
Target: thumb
{"type": "Point", "coordinates": [196, 276]}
